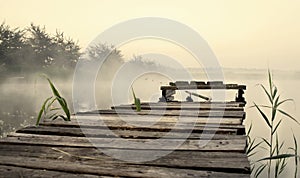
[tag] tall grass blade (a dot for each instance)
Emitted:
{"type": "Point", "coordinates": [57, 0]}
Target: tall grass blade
{"type": "Point", "coordinates": [273, 151]}
{"type": "Point", "coordinates": [273, 113]}
{"type": "Point", "coordinates": [54, 109]}
{"type": "Point", "coordinates": [137, 101]}
{"type": "Point", "coordinates": [65, 108]}
{"type": "Point", "coordinates": [295, 142]}
{"type": "Point", "coordinates": [281, 146]}
{"type": "Point", "coordinates": [263, 115]}
{"type": "Point", "coordinates": [259, 170]}
{"type": "Point", "coordinates": [252, 167]}
{"type": "Point", "coordinates": [53, 115]}
{"type": "Point", "coordinates": [42, 110]}
{"type": "Point", "coordinates": [50, 104]}
{"type": "Point", "coordinates": [266, 141]}
{"type": "Point", "coordinates": [249, 130]}
{"type": "Point", "coordinates": [251, 154]}
{"type": "Point", "coordinates": [270, 83]}
{"type": "Point", "coordinates": [54, 90]}
{"type": "Point", "coordinates": [276, 101]}
{"type": "Point", "coordinates": [277, 168]}
{"type": "Point", "coordinates": [277, 144]}
{"type": "Point", "coordinates": [296, 153]}
{"type": "Point", "coordinates": [267, 93]}
{"type": "Point", "coordinates": [276, 127]}
{"type": "Point", "coordinates": [280, 156]}
{"type": "Point", "coordinates": [275, 92]}
{"type": "Point", "coordinates": [289, 116]}
{"type": "Point", "coordinates": [281, 102]}
{"type": "Point", "coordinates": [252, 147]}
{"type": "Point", "coordinates": [282, 166]}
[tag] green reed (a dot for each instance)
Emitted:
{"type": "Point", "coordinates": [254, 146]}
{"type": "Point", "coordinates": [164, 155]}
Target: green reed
{"type": "Point", "coordinates": [275, 154]}
{"type": "Point", "coordinates": [48, 111]}
{"type": "Point", "coordinates": [137, 101]}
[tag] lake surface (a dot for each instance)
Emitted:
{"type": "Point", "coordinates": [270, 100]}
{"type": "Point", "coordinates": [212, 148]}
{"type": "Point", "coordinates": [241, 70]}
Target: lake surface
{"type": "Point", "coordinates": [22, 98]}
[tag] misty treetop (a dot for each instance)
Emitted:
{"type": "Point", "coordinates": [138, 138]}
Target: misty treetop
{"type": "Point", "coordinates": [32, 50]}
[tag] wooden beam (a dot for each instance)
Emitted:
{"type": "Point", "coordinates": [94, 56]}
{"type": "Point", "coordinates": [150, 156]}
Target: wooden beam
{"type": "Point", "coordinates": [204, 87]}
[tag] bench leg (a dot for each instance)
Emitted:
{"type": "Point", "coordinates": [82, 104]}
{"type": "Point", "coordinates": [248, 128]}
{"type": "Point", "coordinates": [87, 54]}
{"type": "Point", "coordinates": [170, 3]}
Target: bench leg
{"type": "Point", "coordinates": [240, 97]}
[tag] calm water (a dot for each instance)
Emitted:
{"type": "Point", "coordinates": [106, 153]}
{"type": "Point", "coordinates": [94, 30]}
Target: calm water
{"type": "Point", "coordinates": [21, 99]}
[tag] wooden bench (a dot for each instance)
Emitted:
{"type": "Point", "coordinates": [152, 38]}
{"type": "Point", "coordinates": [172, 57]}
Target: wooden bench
{"type": "Point", "coordinates": [170, 90]}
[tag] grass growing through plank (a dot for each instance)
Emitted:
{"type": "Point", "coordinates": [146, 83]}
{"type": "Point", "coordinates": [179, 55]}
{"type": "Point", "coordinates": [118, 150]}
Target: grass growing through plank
{"type": "Point", "coordinates": [276, 157]}
{"type": "Point", "coordinates": [48, 111]}
{"type": "Point", "coordinates": [137, 101]}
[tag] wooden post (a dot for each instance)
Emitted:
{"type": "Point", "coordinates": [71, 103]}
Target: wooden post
{"type": "Point", "coordinates": [167, 95]}
{"type": "Point", "coordinates": [240, 97]}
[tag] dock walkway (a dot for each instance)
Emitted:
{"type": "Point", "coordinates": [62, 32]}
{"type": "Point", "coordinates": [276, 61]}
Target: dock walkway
{"type": "Point", "coordinates": [78, 148]}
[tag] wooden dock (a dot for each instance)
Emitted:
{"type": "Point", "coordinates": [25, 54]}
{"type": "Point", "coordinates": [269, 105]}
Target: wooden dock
{"type": "Point", "coordinates": [67, 149]}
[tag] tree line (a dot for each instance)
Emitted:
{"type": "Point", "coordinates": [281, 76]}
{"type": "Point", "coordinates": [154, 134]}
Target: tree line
{"type": "Point", "coordinates": [32, 49]}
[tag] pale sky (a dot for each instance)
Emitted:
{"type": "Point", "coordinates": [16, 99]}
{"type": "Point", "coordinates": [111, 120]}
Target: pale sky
{"type": "Point", "coordinates": [242, 33]}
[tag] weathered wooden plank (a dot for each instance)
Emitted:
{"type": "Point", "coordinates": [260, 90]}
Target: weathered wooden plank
{"type": "Point", "coordinates": [219, 83]}
{"type": "Point", "coordinates": [98, 132]}
{"type": "Point", "coordinates": [191, 83]}
{"type": "Point", "coordinates": [103, 169]}
{"type": "Point", "coordinates": [13, 171]}
{"type": "Point", "coordinates": [117, 125]}
{"type": "Point", "coordinates": [197, 103]}
{"type": "Point", "coordinates": [234, 145]}
{"type": "Point", "coordinates": [212, 161]}
{"type": "Point", "coordinates": [179, 83]}
{"type": "Point", "coordinates": [189, 113]}
{"type": "Point", "coordinates": [154, 119]}
{"type": "Point", "coordinates": [178, 107]}
{"type": "Point", "coordinates": [210, 128]}
{"type": "Point", "coordinates": [138, 125]}
{"type": "Point", "coordinates": [165, 119]}
{"type": "Point", "coordinates": [44, 130]}
{"type": "Point", "coordinates": [141, 135]}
